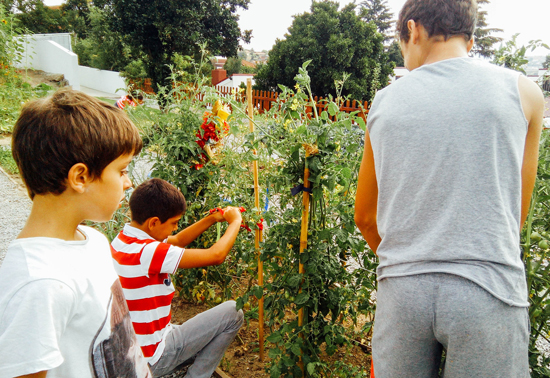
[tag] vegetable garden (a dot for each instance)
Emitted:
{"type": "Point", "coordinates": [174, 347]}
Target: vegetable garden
{"type": "Point", "coordinates": [312, 289]}
{"type": "Point", "coordinates": [300, 267]}
{"type": "Point", "coordinates": [318, 288]}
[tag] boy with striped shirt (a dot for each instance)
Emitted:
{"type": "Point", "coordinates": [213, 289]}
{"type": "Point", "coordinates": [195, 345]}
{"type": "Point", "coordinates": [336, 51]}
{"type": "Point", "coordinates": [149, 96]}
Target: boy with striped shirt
{"type": "Point", "coordinates": [145, 254]}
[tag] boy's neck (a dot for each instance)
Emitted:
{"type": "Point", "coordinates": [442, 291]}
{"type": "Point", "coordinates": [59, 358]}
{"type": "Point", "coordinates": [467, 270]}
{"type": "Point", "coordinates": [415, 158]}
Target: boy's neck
{"type": "Point", "coordinates": [436, 50]}
{"type": "Point", "coordinates": [143, 227]}
{"type": "Point", "coordinates": [53, 216]}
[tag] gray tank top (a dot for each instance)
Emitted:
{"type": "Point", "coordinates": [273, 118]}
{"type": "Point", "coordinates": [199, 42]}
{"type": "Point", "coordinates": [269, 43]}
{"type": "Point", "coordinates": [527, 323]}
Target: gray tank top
{"type": "Point", "coordinates": [448, 141]}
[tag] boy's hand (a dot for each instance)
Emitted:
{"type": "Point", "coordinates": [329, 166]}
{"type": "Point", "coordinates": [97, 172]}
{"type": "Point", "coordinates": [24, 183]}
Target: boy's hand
{"type": "Point", "coordinates": [218, 215]}
{"type": "Point", "coordinates": [232, 214]}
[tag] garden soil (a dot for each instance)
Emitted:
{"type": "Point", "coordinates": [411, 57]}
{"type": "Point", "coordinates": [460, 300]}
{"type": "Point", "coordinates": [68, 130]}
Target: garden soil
{"type": "Point", "coordinates": [242, 358]}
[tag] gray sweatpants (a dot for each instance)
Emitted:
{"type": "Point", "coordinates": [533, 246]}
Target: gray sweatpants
{"type": "Point", "coordinates": [419, 316]}
{"type": "Point", "coordinates": [205, 337]}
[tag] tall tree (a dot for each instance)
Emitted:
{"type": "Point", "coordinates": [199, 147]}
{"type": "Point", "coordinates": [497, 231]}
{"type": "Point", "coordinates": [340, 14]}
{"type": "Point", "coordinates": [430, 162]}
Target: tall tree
{"type": "Point", "coordinates": [337, 42]}
{"type": "Point", "coordinates": [378, 12]}
{"type": "Point", "coordinates": [161, 28]}
{"type": "Point", "coordinates": [484, 40]}
{"type": "Point", "coordinates": [38, 18]}
{"type": "Point", "coordinates": [394, 54]}
{"type": "Point", "coordinates": [77, 14]}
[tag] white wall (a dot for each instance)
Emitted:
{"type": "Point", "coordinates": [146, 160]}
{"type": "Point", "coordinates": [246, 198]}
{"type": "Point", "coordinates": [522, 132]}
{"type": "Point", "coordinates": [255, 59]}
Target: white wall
{"type": "Point", "coordinates": [42, 52]}
{"type": "Point", "coordinates": [50, 56]}
{"type": "Point", "coordinates": [64, 39]}
{"type": "Point", "coordinates": [101, 80]}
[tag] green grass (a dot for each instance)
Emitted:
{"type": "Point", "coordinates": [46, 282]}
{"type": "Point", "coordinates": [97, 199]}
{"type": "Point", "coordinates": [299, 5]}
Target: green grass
{"type": "Point", "coordinates": [7, 162]}
{"type": "Point", "coordinates": [107, 100]}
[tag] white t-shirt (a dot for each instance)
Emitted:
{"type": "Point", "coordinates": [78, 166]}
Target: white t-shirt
{"type": "Point", "coordinates": [62, 310]}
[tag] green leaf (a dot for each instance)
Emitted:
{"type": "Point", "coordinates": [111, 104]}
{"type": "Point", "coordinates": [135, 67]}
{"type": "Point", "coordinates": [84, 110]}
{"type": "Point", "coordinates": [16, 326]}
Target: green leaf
{"type": "Point", "coordinates": [311, 368]}
{"type": "Point", "coordinates": [302, 298]}
{"type": "Point", "coordinates": [332, 109]}
{"type": "Point", "coordinates": [346, 172]}
{"type": "Point", "coordinates": [275, 372]}
{"type": "Point", "coordinates": [361, 123]}
{"type": "Point", "coordinates": [274, 338]}
{"type": "Point", "coordinates": [295, 348]}
{"type": "Point", "coordinates": [274, 352]}
{"type": "Point", "coordinates": [295, 280]}
{"type": "Point", "coordinates": [258, 291]}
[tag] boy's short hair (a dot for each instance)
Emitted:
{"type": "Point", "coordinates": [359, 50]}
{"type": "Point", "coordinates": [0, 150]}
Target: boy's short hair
{"type": "Point", "coordinates": [447, 18]}
{"type": "Point", "coordinates": [69, 127]}
{"type": "Point", "coordinates": [156, 198]}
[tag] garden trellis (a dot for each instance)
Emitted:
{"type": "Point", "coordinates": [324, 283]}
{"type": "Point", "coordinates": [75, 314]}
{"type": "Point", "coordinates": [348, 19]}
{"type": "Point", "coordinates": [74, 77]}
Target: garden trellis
{"type": "Point", "coordinates": [258, 231]}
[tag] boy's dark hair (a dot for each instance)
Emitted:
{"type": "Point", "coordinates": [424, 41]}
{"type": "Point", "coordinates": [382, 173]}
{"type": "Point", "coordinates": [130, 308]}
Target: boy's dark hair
{"type": "Point", "coordinates": [69, 127]}
{"type": "Point", "coordinates": [447, 18]}
{"type": "Point", "coordinates": [156, 198]}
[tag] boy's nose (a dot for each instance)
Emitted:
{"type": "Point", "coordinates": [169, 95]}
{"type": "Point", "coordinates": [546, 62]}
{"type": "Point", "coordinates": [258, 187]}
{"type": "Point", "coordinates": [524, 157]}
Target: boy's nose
{"type": "Point", "coordinates": [127, 183]}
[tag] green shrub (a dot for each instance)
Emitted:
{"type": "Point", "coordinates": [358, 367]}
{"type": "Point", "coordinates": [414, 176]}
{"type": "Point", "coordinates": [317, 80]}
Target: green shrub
{"type": "Point", "coordinates": [7, 162]}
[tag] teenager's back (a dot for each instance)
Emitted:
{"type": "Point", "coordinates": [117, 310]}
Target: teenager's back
{"type": "Point", "coordinates": [448, 142]}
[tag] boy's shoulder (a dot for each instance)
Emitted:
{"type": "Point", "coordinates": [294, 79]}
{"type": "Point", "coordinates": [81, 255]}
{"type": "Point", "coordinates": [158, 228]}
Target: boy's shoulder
{"type": "Point", "coordinates": [41, 258]}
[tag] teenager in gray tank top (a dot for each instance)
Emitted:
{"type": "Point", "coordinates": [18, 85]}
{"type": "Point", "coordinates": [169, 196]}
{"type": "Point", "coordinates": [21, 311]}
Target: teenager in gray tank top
{"type": "Point", "coordinates": [444, 188]}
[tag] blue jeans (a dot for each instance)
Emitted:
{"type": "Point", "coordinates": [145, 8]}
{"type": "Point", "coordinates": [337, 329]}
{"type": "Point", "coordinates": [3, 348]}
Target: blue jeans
{"type": "Point", "coordinates": [204, 337]}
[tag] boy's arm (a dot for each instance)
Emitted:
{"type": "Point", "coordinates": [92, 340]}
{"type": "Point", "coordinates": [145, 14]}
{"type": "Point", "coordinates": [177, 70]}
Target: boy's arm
{"type": "Point", "coordinates": [532, 101]}
{"type": "Point", "coordinates": [215, 255]}
{"type": "Point", "coordinates": [186, 236]}
{"type": "Point", "coordinates": [366, 200]}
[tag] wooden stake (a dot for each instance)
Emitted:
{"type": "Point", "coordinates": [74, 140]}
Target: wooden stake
{"type": "Point", "coordinates": [303, 244]}
{"type": "Point", "coordinates": [258, 236]}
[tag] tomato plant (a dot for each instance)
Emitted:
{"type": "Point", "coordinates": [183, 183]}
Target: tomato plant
{"type": "Point", "coordinates": [535, 239]}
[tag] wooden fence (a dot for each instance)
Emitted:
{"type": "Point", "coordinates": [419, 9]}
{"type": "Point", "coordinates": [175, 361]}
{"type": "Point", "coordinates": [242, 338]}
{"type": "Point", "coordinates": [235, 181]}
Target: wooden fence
{"type": "Point", "coordinates": [263, 100]}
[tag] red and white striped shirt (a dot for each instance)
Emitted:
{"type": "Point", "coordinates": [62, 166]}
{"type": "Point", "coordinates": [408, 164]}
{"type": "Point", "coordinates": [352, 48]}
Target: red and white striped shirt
{"type": "Point", "coordinates": [144, 265]}
{"type": "Point", "coordinates": [123, 101]}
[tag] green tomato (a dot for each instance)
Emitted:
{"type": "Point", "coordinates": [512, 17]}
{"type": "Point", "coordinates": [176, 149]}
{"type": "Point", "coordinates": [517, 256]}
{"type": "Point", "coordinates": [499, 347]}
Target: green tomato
{"type": "Point", "coordinates": [287, 295]}
{"type": "Point", "coordinates": [543, 244]}
{"type": "Point", "coordinates": [535, 236]}
{"type": "Point", "coordinates": [291, 299]}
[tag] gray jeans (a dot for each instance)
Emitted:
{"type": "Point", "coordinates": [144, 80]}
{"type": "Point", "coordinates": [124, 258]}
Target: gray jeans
{"type": "Point", "coordinates": [204, 337]}
{"type": "Point", "coordinates": [419, 316]}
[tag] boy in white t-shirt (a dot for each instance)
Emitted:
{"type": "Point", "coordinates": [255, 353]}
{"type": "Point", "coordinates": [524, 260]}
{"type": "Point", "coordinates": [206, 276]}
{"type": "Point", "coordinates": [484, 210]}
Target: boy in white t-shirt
{"type": "Point", "coordinates": [62, 312]}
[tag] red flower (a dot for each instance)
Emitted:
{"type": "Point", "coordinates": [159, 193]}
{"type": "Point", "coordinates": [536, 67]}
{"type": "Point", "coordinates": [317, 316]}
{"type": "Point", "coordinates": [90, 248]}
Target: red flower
{"type": "Point", "coordinates": [198, 166]}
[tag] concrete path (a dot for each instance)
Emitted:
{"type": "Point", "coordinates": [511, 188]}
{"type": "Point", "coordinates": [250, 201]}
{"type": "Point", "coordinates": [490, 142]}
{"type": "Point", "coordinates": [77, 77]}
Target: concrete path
{"type": "Point", "coordinates": [96, 93]}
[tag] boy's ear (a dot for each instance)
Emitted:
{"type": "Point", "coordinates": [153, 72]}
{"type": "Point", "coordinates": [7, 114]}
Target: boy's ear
{"type": "Point", "coordinates": [415, 31]}
{"type": "Point", "coordinates": [470, 44]}
{"type": "Point", "coordinates": [153, 222]}
{"type": "Point", "coordinates": [79, 177]}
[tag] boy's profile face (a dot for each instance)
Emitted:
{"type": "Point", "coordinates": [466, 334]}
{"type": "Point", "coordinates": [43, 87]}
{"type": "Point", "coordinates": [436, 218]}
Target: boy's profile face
{"type": "Point", "coordinates": [160, 231]}
{"type": "Point", "coordinates": [106, 192]}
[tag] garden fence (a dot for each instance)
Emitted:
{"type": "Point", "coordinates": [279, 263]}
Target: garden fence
{"type": "Point", "coordinates": [263, 100]}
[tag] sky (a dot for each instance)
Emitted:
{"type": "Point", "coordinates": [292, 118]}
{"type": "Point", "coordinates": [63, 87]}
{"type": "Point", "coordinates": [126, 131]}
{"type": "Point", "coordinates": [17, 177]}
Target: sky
{"type": "Point", "coordinates": [270, 19]}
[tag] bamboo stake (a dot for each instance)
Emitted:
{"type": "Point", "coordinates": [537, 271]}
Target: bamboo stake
{"type": "Point", "coordinates": [303, 244]}
{"type": "Point", "coordinates": [258, 236]}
